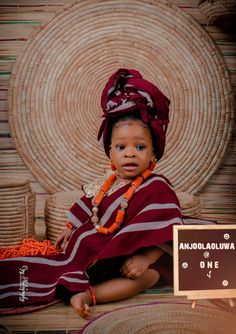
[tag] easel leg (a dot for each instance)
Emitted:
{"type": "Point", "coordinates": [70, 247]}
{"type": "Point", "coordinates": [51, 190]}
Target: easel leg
{"type": "Point", "coordinates": [193, 304]}
{"type": "Point", "coordinates": [231, 302]}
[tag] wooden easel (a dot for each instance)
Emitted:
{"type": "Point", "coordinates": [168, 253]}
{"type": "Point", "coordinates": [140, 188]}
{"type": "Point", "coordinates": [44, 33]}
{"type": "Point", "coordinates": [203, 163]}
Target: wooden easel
{"type": "Point", "coordinates": [231, 303]}
{"type": "Point", "coordinates": [194, 296]}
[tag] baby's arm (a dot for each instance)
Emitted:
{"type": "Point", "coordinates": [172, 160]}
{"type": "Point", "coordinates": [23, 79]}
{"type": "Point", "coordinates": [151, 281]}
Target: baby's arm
{"type": "Point", "coordinates": [137, 264]}
{"type": "Point", "coordinates": [63, 238]}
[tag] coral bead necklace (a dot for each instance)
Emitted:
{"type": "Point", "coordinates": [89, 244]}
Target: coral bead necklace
{"type": "Point", "coordinates": [126, 198]}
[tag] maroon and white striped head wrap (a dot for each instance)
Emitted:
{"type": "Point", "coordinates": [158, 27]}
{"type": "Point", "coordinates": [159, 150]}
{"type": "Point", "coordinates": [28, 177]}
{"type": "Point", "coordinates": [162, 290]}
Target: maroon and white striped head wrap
{"type": "Point", "coordinates": [127, 92]}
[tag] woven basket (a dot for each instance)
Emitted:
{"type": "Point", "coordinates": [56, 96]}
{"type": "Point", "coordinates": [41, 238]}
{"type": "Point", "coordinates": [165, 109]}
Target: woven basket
{"type": "Point", "coordinates": [17, 211]}
{"type": "Point", "coordinates": [55, 212]}
{"type": "Point", "coordinates": [190, 204]}
{"type": "Point", "coordinates": [221, 13]}
{"type": "Point", "coordinates": [56, 85]}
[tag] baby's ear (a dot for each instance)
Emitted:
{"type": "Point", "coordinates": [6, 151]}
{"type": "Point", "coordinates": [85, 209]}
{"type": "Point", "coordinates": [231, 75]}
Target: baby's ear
{"type": "Point", "coordinates": [153, 154]}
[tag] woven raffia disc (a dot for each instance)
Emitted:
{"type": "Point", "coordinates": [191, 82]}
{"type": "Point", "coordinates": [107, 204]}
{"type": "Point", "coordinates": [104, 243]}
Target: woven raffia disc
{"type": "Point", "coordinates": [163, 318]}
{"type": "Point", "coordinates": [55, 89]}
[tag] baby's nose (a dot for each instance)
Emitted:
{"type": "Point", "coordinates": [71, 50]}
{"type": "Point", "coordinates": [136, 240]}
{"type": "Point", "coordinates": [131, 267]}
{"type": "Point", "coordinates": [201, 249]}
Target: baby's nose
{"type": "Point", "coordinates": [129, 153]}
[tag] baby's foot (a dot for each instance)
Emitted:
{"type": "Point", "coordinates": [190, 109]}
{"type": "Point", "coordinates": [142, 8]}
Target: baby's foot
{"type": "Point", "coordinates": [80, 302]}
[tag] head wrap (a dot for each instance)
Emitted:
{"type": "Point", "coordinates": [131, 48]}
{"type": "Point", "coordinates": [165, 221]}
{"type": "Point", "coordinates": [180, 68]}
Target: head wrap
{"type": "Point", "coordinates": [127, 92]}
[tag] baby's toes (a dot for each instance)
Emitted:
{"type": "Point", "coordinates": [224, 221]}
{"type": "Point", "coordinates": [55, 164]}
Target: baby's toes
{"type": "Point", "coordinates": [86, 311]}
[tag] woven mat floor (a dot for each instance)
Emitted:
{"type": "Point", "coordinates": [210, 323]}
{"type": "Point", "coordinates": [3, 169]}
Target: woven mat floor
{"type": "Point", "coordinates": [62, 319]}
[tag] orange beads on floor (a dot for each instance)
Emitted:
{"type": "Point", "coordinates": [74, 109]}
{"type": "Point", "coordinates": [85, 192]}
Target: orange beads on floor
{"type": "Point", "coordinates": [29, 247]}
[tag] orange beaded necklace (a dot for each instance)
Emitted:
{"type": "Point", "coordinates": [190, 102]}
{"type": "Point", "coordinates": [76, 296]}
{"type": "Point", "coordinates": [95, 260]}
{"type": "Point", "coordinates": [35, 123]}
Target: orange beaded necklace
{"type": "Point", "coordinates": [127, 197]}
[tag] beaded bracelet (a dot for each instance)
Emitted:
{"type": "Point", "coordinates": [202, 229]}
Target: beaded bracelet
{"type": "Point", "coordinates": [70, 226]}
{"type": "Point", "coordinates": [93, 295]}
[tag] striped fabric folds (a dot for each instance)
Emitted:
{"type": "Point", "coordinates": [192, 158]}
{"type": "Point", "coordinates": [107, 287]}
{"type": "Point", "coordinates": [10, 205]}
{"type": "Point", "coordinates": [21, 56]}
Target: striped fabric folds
{"type": "Point", "coordinates": [149, 220]}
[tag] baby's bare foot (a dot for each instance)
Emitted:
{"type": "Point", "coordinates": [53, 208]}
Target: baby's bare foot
{"type": "Point", "coordinates": [81, 302]}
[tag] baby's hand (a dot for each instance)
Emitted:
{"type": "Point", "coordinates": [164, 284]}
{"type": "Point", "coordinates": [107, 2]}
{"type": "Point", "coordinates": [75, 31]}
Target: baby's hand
{"type": "Point", "coordinates": [63, 239]}
{"type": "Point", "coordinates": [135, 266]}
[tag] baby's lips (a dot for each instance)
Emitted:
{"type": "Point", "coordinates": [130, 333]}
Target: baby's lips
{"type": "Point", "coordinates": [130, 165]}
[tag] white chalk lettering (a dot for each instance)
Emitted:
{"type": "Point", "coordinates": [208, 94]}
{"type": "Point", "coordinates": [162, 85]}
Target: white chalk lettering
{"type": "Point", "coordinates": [208, 245]}
{"type": "Point", "coordinates": [209, 264]}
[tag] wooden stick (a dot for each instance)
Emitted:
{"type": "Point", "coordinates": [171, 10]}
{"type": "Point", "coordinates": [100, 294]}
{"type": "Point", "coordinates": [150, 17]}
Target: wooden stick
{"type": "Point", "coordinates": [193, 304]}
{"type": "Point", "coordinates": [231, 302]}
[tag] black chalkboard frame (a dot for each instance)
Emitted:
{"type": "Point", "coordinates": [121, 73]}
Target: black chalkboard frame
{"type": "Point", "coordinates": [200, 293]}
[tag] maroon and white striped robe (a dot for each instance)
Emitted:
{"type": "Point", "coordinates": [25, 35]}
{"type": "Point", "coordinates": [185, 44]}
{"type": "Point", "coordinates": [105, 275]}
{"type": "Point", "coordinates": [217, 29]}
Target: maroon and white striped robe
{"type": "Point", "coordinates": [149, 219]}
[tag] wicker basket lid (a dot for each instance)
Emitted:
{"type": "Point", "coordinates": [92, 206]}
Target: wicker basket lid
{"type": "Point", "coordinates": [18, 183]}
{"type": "Point", "coordinates": [55, 89]}
{"type": "Point", "coordinates": [63, 199]}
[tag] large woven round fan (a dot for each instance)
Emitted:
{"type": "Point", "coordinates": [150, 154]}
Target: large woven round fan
{"type": "Point", "coordinates": [55, 89]}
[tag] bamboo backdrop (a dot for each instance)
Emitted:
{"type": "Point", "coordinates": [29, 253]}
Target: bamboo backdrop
{"type": "Point", "coordinates": [18, 22]}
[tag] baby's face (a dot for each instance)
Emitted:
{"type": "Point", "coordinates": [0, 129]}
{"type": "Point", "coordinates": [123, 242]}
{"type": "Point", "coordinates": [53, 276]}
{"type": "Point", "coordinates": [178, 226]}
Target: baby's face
{"type": "Point", "coordinates": [131, 148]}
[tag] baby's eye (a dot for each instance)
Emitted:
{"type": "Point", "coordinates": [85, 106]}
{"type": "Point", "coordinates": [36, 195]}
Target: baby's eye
{"type": "Point", "coordinates": [140, 147]}
{"type": "Point", "coordinates": [120, 147]}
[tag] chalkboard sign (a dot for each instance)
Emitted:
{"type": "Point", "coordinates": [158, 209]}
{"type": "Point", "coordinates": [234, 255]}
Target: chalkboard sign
{"type": "Point", "coordinates": [205, 261]}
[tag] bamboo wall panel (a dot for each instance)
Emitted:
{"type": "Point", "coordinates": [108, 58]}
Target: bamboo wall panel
{"type": "Point", "coordinates": [20, 20]}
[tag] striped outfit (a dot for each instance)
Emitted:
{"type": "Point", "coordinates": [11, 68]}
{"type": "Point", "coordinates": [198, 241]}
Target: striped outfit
{"type": "Point", "coordinates": [149, 220]}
